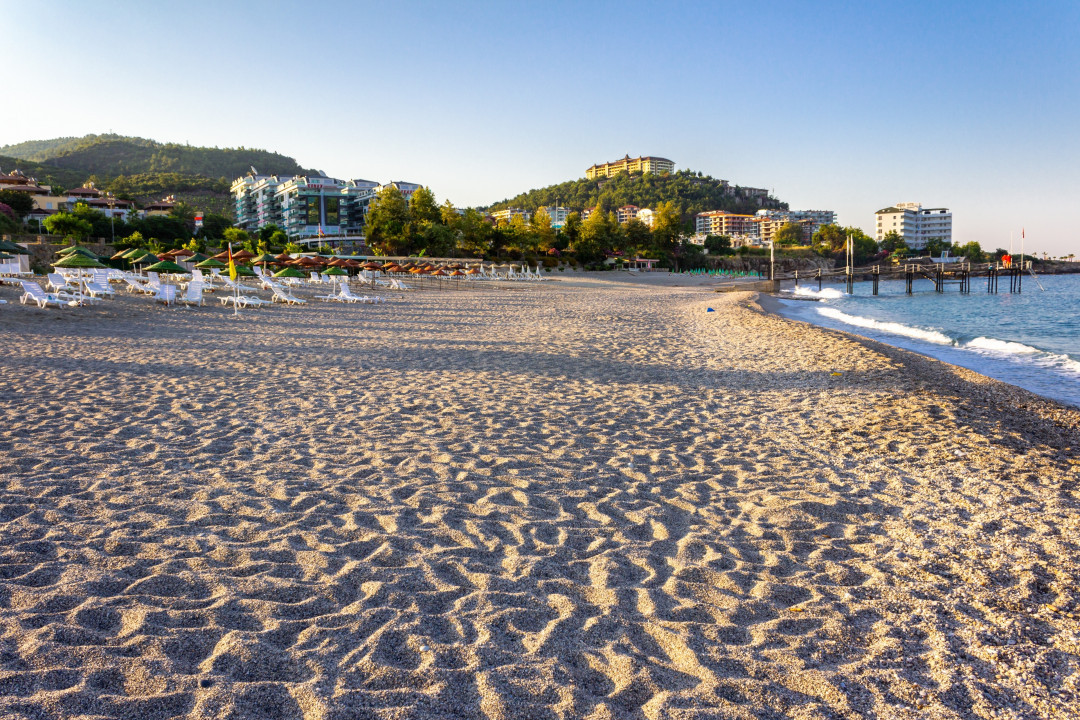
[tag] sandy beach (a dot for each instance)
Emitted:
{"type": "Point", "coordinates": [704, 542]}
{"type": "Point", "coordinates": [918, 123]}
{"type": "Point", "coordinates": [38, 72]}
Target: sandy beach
{"type": "Point", "coordinates": [586, 498]}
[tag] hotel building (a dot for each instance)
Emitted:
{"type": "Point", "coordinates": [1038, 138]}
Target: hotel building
{"type": "Point", "coordinates": [508, 213]}
{"type": "Point", "coordinates": [306, 207]}
{"type": "Point", "coordinates": [914, 223]}
{"type": "Point", "coordinates": [770, 221]}
{"type": "Point", "coordinates": [650, 164]}
{"type": "Point", "coordinates": [722, 222]}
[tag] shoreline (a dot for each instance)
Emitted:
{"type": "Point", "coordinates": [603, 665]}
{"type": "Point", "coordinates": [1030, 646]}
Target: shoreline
{"type": "Point", "coordinates": [776, 305]}
{"type": "Point", "coordinates": [578, 499]}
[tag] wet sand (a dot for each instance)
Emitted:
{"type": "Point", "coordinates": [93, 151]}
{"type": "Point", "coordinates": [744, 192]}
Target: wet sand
{"type": "Point", "coordinates": [588, 498]}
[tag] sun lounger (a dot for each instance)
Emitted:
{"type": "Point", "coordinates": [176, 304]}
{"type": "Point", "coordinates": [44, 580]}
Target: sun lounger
{"type": "Point", "coordinates": [166, 294]}
{"type": "Point", "coordinates": [56, 282]}
{"type": "Point", "coordinates": [281, 295]}
{"type": "Point", "coordinates": [95, 289]}
{"type": "Point", "coordinates": [192, 294]}
{"type": "Point", "coordinates": [244, 301]}
{"type": "Point", "coordinates": [32, 291]}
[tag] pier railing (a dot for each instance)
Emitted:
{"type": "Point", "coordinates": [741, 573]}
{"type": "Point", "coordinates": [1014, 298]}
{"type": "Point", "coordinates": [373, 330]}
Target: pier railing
{"type": "Point", "coordinates": [940, 273]}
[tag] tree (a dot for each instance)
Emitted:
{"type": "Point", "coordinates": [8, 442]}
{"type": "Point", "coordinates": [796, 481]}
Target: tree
{"type": "Point", "coordinates": [266, 232]}
{"type": "Point", "coordinates": [638, 236]}
{"type": "Point", "coordinates": [892, 242]}
{"type": "Point", "coordinates": [214, 225]}
{"type": "Point", "coordinates": [936, 246]}
{"type": "Point", "coordinates": [235, 236]}
{"type": "Point", "coordinates": [387, 222]}
{"type": "Point", "coordinates": [717, 244]}
{"type": "Point", "coordinates": [829, 240]}
{"type": "Point", "coordinates": [972, 251]}
{"type": "Point", "coordinates": [571, 231]}
{"type": "Point", "coordinates": [668, 232]}
{"type": "Point", "coordinates": [68, 225]}
{"type": "Point", "coordinates": [543, 234]}
{"type": "Point", "coordinates": [422, 207]}
{"type": "Point", "coordinates": [474, 234]}
{"type": "Point", "coordinates": [790, 233]}
{"type": "Point", "coordinates": [20, 202]}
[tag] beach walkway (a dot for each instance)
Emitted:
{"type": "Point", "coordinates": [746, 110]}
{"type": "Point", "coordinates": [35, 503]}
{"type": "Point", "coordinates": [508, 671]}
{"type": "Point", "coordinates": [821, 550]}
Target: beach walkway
{"type": "Point", "coordinates": [577, 499]}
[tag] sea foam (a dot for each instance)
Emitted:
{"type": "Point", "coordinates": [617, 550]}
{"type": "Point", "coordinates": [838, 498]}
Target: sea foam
{"type": "Point", "coordinates": [931, 336]}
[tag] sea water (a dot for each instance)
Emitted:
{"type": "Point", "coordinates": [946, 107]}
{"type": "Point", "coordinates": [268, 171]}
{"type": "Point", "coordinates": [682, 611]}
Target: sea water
{"type": "Point", "coordinates": [1030, 339]}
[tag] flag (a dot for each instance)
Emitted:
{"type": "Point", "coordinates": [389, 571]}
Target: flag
{"type": "Point", "coordinates": [232, 265]}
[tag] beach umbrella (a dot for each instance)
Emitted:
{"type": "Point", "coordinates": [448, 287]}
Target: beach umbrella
{"type": "Point", "coordinates": [472, 271]}
{"type": "Point", "coordinates": [289, 272]}
{"type": "Point", "coordinates": [283, 257]}
{"type": "Point", "coordinates": [224, 255]}
{"type": "Point", "coordinates": [80, 262]}
{"type": "Point", "coordinates": [197, 258]}
{"type": "Point", "coordinates": [242, 256]}
{"type": "Point", "coordinates": [4, 256]}
{"type": "Point", "coordinates": [439, 272]}
{"type": "Point", "coordinates": [457, 273]}
{"type": "Point", "coordinates": [146, 256]}
{"type": "Point", "coordinates": [166, 266]}
{"type": "Point", "coordinates": [183, 252]}
{"type": "Point", "coordinates": [77, 250]}
{"type": "Point", "coordinates": [335, 270]}
{"type": "Point", "coordinates": [131, 253]}
{"type": "Point", "coordinates": [10, 247]}
{"type": "Point", "coordinates": [211, 263]}
{"type": "Point", "coordinates": [119, 255]}
{"type": "Point", "coordinates": [264, 258]}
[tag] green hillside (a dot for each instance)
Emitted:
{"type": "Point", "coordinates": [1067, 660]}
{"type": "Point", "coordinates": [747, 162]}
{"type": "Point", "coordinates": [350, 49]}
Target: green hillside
{"type": "Point", "coordinates": [691, 192]}
{"type": "Point", "coordinates": [143, 170]}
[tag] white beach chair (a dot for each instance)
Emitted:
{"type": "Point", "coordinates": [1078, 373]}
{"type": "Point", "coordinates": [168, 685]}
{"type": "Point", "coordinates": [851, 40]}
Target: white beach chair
{"type": "Point", "coordinates": [56, 282]}
{"type": "Point", "coordinates": [166, 294]}
{"type": "Point", "coordinates": [281, 295]}
{"type": "Point", "coordinates": [32, 291]}
{"type": "Point", "coordinates": [192, 294]}
{"type": "Point", "coordinates": [134, 284]}
{"type": "Point", "coordinates": [95, 289]}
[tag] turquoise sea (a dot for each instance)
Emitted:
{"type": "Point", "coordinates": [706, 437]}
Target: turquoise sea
{"type": "Point", "coordinates": [1030, 339]}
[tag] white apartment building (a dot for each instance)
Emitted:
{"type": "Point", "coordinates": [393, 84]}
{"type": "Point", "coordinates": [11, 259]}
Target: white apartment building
{"type": "Point", "coordinates": [508, 213]}
{"type": "Point", "coordinates": [914, 223]}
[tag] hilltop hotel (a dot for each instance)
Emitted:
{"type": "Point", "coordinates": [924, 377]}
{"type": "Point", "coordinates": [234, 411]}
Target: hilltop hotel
{"type": "Point", "coordinates": [307, 207]}
{"type": "Point", "coordinates": [654, 165]}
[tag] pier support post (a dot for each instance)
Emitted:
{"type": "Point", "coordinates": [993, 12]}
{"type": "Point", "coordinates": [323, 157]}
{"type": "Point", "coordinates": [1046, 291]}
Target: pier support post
{"type": "Point", "coordinates": [877, 277]}
{"type": "Point", "coordinates": [939, 279]}
{"type": "Point", "coordinates": [909, 278]}
{"type": "Point", "coordinates": [819, 279]}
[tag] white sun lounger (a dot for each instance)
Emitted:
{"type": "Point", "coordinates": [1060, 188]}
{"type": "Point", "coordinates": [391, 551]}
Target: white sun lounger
{"type": "Point", "coordinates": [280, 295]}
{"type": "Point", "coordinates": [192, 294]}
{"type": "Point", "coordinates": [166, 294]}
{"type": "Point", "coordinates": [32, 291]}
{"type": "Point", "coordinates": [94, 289]}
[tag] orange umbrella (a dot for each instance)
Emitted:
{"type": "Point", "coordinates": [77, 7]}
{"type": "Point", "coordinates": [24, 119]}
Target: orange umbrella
{"type": "Point", "coordinates": [457, 273]}
{"type": "Point", "coordinates": [472, 271]}
{"type": "Point", "coordinates": [182, 252]}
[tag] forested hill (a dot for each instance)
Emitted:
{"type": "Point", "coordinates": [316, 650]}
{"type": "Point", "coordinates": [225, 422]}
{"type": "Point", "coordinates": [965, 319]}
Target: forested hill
{"type": "Point", "coordinates": [690, 191]}
{"type": "Point", "coordinates": [113, 155]}
{"type": "Point", "coordinates": [143, 170]}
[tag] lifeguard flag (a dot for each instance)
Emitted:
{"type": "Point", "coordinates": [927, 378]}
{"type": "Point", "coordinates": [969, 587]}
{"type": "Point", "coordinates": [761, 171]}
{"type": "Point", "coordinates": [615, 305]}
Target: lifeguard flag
{"type": "Point", "coordinates": [232, 265]}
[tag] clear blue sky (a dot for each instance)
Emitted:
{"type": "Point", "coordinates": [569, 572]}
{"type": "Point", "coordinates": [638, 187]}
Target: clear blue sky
{"type": "Point", "coordinates": [850, 106]}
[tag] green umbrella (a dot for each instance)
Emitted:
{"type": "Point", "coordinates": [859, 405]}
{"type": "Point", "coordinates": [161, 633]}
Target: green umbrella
{"type": "Point", "coordinates": [244, 270]}
{"type": "Point", "coordinates": [197, 258]}
{"type": "Point", "coordinates": [145, 257]}
{"type": "Point", "coordinates": [133, 253]}
{"type": "Point", "coordinates": [10, 247]}
{"type": "Point", "coordinates": [78, 260]}
{"type": "Point", "coordinates": [334, 271]}
{"type": "Point", "coordinates": [211, 263]}
{"type": "Point", "coordinates": [6, 257]}
{"type": "Point", "coordinates": [289, 272]}
{"type": "Point", "coordinates": [167, 266]}
{"type": "Point", "coordinates": [77, 250]}
{"type": "Point", "coordinates": [264, 258]}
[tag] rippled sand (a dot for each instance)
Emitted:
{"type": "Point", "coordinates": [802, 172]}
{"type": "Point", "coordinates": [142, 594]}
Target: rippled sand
{"type": "Point", "coordinates": [576, 499]}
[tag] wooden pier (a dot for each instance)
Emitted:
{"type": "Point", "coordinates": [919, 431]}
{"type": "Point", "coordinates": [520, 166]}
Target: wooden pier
{"type": "Point", "coordinates": [960, 274]}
